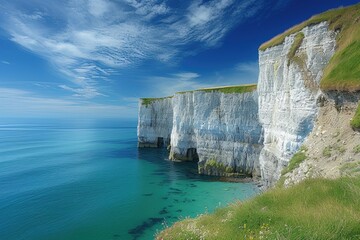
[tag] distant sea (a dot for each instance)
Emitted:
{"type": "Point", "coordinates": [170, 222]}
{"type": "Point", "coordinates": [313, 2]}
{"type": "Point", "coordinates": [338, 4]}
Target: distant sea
{"type": "Point", "coordinates": [86, 180]}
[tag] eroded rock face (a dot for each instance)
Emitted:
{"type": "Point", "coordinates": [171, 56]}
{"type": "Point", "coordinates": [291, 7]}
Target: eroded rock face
{"type": "Point", "coordinates": [332, 148]}
{"type": "Point", "coordinates": [155, 123]}
{"type": "Point", "coordinates": [220, 130]}
{"type": "Point", "coordinates": [288, 92]}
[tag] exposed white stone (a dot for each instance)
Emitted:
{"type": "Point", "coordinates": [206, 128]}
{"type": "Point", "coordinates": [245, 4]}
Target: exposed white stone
{"type": "Point", "coordinates": [288, 94]}
{"type": "Point", "coordinates": [221, 127]}
{"type": "Point", "coordinates": [155, 122]}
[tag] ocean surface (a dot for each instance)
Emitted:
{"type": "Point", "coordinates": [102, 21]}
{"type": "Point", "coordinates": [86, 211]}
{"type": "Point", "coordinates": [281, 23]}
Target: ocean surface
{"type": "Point", "coordinates": [87, 180]}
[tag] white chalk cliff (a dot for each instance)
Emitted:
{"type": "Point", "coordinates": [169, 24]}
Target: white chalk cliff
{"type": "Point", "coordinates": [288, 91]}
{"type": "Point", "coordinates": [254, 132]}
{"type": "Point", "coordinates": [220, 129]}
{"type": "Point", "coordinates": [155, 122]}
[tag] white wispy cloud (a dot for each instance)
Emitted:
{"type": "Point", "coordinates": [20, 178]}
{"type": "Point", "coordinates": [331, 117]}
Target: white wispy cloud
{"type": "Point", "coordinates": [187, 81]}
{"type": "Point", "coordinates": [5, 62]}
{"type": "Point", "coordinates": [87, 40]}
{"type": "Point", "coordinates": [185, 76]}
{"type": "Point", "coordinates": [248, 67]}
{"type": "Point", "coordinates": [20, 103]}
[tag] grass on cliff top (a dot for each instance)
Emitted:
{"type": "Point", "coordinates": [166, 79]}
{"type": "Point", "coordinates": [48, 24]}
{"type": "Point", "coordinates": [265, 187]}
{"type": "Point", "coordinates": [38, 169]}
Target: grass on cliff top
{"type": "Point", "coordinates": [313, 209]}
{"type": "Point", "coordinates": [227, 89]}
{"type": "Point", "coordinates": [343, 71]}
{"type": "Point", "coordinates": [147, 101]}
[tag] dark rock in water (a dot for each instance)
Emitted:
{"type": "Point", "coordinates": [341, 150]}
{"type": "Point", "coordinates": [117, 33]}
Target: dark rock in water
{"type": "Point", "coordinates": [163, 211]}
{"type": "Point", "coordinates": [179, 210]}
{"type": "Point", "coordinates": [175, 192]}
{"type": "Point", "coordinates": [175, 189]}
{"type": "Point", "coordinates": [116, 236]}
{"type": "Point", "coordinates": [139, 230]}
{"type": "Point", "coordinates": [148, 194]}
{"type": "Point", "coordinates": [164, 198]}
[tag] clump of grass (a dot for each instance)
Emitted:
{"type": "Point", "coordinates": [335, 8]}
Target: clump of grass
{"type": "Point", "coordinates": [343, 71]}
{"type": "Point", "coordinates": [327, 151]}
{"type": "Point", "coordinates": [350, 169]}
{"type": "Point", "coordinates": [295, 161]}
{"type": "Point", "coordinates": [357, 149]}
{"type": "Point", "coordinates": [148, 101]}
{"type": "Point", "coordinates": [340, 148]}
{"type": "Point", "coordinates": [295, 46]}
{"type": "Point", "coordinates": [355, 122]}
{"type": "Point", "coordinates": [313, 209]}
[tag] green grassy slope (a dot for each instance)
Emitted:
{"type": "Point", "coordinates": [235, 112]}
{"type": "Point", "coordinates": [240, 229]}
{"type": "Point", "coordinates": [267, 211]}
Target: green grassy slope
{"type": "Point", "coordinates": [313, 209]}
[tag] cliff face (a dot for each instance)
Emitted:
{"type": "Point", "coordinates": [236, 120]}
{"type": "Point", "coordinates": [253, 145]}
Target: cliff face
{"type": "Point", "coordinates": [221, 130]}
{"type": "Point", "coordinates": [288, 91]}
{"type": "Point", "coordinates": [256, 132]}
{"type": "Point", "coordinates": [333, 147]}
{"type": "Point", "coordinates": [155, 122]}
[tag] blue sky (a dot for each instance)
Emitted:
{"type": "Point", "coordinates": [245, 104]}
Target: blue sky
{"type": "Point", "coordinates": [95, 58]}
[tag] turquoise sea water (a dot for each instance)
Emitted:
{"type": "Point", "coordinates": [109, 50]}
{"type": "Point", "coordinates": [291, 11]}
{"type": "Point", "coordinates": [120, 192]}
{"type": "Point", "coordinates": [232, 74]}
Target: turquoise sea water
{"type": "Point", "coordinates": [89, 181]}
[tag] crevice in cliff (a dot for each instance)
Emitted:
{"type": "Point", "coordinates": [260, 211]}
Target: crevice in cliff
{"type": "Point", "coordinates": [189, 155]}
{"type": "Point", "coordinates": [160, 142]}
{"type": "Point", "coordinates": [192, 155]}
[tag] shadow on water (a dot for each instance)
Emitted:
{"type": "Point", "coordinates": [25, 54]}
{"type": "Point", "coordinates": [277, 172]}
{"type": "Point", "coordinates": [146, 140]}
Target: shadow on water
{"type": "Point", "coordinates": [169, 169]}
{"type": "Point", "coordinates": [140, 229]}
{"type": "Point", "coordinates": [169, 172]}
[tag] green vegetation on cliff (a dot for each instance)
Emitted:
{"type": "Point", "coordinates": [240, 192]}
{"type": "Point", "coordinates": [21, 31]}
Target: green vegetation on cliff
{"type": "Point", "coordinates": [313, 209]}
{"type": "Point", "coordinates": [343, 71]}
{"type": "Point", "coordinates": [295, 161]}
{"type": "Point", "coordinates": [147, 101]}
{"type": "Point", "coordinates": [295, 46]}
{"type": "Point", "coordinates": [227, 89]}
{"type": "Point", "coordinates": [231, 89]}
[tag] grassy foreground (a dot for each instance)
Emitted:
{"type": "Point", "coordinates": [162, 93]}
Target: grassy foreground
{"type": "Point", "coordinates": [313, 209]}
